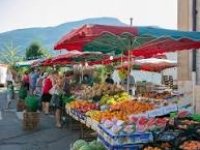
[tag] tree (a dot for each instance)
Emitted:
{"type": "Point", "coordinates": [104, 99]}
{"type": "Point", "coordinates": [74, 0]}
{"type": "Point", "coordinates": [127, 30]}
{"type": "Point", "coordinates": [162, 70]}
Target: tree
{"type": "Point", "coordinates": [34, 51]}
{"type": "Point", "coordinates": [10, 54]}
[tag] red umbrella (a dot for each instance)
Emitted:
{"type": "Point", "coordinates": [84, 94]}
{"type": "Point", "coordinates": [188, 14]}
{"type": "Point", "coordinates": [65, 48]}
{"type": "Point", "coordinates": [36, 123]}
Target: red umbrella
{"type": "Point", "coordinates": [78, 38]}
{"type": "Point", "coordinates": [47, 62]}
{"type": "Point", "coordinates": [72, 58]}
{"type": "Point", "coordinates": [66, 58]}
{"type": "Point", "coordinates": [121, 59]}
{"type": "Point", "coordinates": [148, 41]}
{"type": "Point", "coordinates": [152, 64]}
{"type": "Point", "coordinates": [164, 45]}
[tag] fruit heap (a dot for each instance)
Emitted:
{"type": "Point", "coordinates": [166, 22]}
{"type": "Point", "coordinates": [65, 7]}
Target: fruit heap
{"type": "Point", "coordinates": [111, 100]}
{"type": "Point", "coordinates": [120, 110]}
{"type": "Point", "coordinates": [100, 90]}
{"type": "Point", "coordinates": [140, 124]}
{"type": "Point", "coordinates": [82, 105]}
{"type": "Point", "coordinates": [106, 115]}
{"type": "Point", "coordinates": [156, 95]}
{"type": "Point", "coordinates": [83, 145]}
{"type": "Point", "coordinates": [189, 145]}
{"type": "Point", "coordinates": [132, 107]}
{"type": "Point", "coordinates": [148, 124]}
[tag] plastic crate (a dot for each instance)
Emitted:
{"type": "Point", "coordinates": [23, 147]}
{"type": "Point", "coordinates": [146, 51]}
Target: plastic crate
{"type": "Point", "coordinates": [119, 139]}
{"type": "Point", "coordinates": [81, 116]}
{"type": "Point", "coordinates": [119, 147]}
{"type": "Point", "coordinates": [94, 125]}
{"type": "Point", "coordinates": [88, 122]}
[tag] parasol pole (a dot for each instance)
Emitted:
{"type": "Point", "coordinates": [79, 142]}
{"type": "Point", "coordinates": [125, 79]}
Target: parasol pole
{"type": "Point", "coordinates": [129, 60]}
{"type": "Point", "coordinates": [128, 79]}
{"type": "Point", "coordinates": [81, 71]}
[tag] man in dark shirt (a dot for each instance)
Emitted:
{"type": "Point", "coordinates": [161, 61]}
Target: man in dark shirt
{"type": "Point", "coordinates": [67, 84]}
{"type": "Point", "coordinates": [109, 80]}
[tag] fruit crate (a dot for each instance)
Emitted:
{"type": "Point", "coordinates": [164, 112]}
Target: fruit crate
{"type": "Point", "coordinates": [119, 147]}
{"type": "Point", "coordinates": [88, 122]}
{"type": "Point", "coordinates": [68, 109]}
{"type": "Point", "coordinates": [30, 120]}
{"type": "Point", "coordinates": [94, 125]}
{"type": "Point", "coordinates": [121, 139]}
{"type": "Point", "coordinates": [81, 116]}
{"type": "Point", "coordinates": [74, 115]}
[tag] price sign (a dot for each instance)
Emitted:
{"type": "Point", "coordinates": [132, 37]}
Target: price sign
{"type": "Point", "coordinates": [170, 108]}
{"type": "Point", "coordinates": [140, 115]}
{"type": "Point", "coordinates": [156, 112]}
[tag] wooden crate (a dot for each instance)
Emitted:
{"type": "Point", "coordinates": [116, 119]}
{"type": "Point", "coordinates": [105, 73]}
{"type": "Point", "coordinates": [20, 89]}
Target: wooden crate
{"type": "Point", "coordinates": [30, 120]}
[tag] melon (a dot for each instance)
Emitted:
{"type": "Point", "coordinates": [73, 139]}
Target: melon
{"type": "Point", "coordinates": [96, 145]}
{"type": "Point", "coordinates": [86, 147]}
{"type": "Point", "coordinates": [78, 144]}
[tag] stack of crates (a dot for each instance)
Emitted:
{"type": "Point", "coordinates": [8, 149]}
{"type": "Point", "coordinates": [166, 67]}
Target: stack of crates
{"type": "Point", "coordinates": [171, 82]}
{"type": "Point", "coordinates": [123, 141]}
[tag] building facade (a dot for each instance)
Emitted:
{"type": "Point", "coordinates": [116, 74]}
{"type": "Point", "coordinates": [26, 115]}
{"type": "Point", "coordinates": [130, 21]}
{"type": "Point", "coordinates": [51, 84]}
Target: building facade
{"type": "Point", "coordinates": [189, 61]}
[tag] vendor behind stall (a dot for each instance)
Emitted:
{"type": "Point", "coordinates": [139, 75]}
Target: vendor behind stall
{"type": "Point", "coordinates": [87, 80]}
{"type": "Point", "coordinates": [109, 80]}
{"type": "Point", "coordinates": [67, 83]}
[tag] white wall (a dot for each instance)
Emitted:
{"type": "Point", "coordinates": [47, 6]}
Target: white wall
{"type": "Point", "coordinates": [3, 71]}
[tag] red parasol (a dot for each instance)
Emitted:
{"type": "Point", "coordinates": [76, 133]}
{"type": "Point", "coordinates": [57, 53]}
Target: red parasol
{"type": "Point", "coordinates": [78, 38]}
{"type": "Point", "coordinates": [146, 41]}
{"type": "Point", "coordinates": [72, 58]}
{"type": "Point", "coordinates": [151, 64]}
{"type": "Point", "coordinates": [164, 45]}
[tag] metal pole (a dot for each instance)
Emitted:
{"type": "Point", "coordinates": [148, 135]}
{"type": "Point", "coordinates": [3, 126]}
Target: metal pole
{"type": "Point", "coordinates": [131, 21]}
{"type": "Point", "coordinates": [129, 60]}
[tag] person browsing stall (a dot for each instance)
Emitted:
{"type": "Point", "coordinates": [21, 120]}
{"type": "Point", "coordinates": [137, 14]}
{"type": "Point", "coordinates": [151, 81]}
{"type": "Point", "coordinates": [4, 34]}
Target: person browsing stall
{"type": "Point", "coordinates": [109, 80]}
{"type": "Point", "coordinates": [87, 80]}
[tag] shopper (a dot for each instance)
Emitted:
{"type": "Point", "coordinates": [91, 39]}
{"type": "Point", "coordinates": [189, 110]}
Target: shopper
{"type": "Point", "coordinates": [46, 96]}
{"type": "Point", "coordinates": [25, 80]}
{"type": "Point", "coordinates": [109, 80]}
{"type": "Point", "coordinates": [39, 84]}
{"type": "Point", "coordinates": [34, 75]}
{"type": "Point", "coordinates": [56, 98]}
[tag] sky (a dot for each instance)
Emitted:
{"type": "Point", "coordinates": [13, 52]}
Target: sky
{"type": "Point", "coordinates": [18, 14]}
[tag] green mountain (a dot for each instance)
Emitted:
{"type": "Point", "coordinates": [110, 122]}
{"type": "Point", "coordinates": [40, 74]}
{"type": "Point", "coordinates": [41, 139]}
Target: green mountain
{"type": "Point", "coordinates": [48, 36]}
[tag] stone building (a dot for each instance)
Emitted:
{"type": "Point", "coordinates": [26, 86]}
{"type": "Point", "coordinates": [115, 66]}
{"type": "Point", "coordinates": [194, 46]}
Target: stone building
{"type": "Point", "coordinates": [189, 61]}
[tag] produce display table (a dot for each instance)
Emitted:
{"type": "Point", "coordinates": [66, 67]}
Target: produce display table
{"type": "Point", "coordinates": [124, 139]}
{"type": "Point", "coordinates": [86, 125]}
{"type": "Point", "coordinates": [142, 118]}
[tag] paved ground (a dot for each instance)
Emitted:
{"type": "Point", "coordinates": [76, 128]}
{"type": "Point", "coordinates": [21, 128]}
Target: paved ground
{"type": "Point", "coordinates": [46, 137]}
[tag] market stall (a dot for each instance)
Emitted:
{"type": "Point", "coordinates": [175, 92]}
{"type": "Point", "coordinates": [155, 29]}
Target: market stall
{"type": "Point", "coordinates": [123, 121]}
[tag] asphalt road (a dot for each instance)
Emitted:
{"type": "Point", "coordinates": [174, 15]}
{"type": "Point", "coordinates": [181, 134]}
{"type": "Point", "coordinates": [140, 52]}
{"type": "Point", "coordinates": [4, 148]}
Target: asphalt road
{"type": "Point", "coordinates": [45, 137]}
